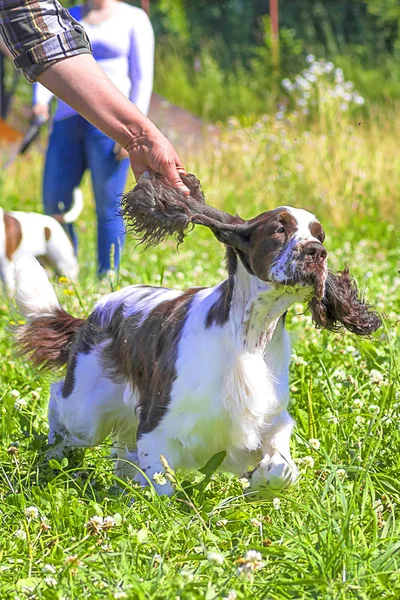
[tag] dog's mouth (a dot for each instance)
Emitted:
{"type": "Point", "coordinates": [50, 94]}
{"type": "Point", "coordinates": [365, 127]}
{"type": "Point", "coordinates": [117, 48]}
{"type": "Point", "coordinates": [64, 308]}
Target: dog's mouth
{"type": "Point", "coordinates": [307, 275]}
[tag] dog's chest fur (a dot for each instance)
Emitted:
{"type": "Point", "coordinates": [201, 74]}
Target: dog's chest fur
{"type": "Point", "coordinates": [226, 394]}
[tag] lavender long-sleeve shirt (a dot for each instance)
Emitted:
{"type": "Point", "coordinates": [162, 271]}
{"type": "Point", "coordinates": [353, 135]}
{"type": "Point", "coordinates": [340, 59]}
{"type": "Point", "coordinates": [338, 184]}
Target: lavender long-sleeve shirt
{"type": "Point", "coordinates": [123, 46]}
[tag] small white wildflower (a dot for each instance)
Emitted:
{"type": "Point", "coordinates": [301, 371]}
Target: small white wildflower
{"type": "Point", "coordinates": [358, 404]}
{"type": "Point", "coordinates": [277, 503]}
{"type": "Point", "coordinates": [187, 575]}
{"type": "Point", "coordinates": [341, 473]}
{"type": "Point", "coordinates": [251, 561]}
{"type": "Point", "coordinates": [359, 420]}
{"type": "Point", "coordinates": [340, 375]}
{"type": "Point", "coordinates": [49, 569]}
{"type": "Point", "coordinates": [376, 377]}
{"type": "Point", "coordinates": [20, 534]}
{"type": "Point", "coordinates": [245, 483]}
{"type": "Point", "coordinates": [179, 275]}
{"type": "Point", "coordinates": [378, 506]}
{"type": "Point", "coordinates": [120, 595]}
{"type": "Point", "coordinates": [94, 525]}
{"type": "Point", "coordinates": [20, 403]}
{"type": "Point", "coordinates": [222, 522]}
{"type": "Point", "coordinates": [256, 522]}
{"type": "Point", "coordinates": [159, 478]}
{"type": "Point", "coordinates": [232, 595]}
{"type": "Point", "coordinates": [15, 393]}
{"type": "Point", "coordinates": [215, 558]}
{"type": "Point", "coordinates": [31, 512]}
{"type": "Point", "coordinates": [374, 409]}
{"type": "Point", "coordinates": [314, 443]}
{"type": "Point", "coordinates": [308, 462]}
{"type": "Point", "coordinates": [108, 522]}
{"type": "Point", "coordinates": [50, 581]}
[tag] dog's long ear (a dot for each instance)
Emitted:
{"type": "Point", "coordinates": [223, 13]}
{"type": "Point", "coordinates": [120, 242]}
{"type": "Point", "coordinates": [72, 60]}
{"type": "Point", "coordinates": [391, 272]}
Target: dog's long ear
{"type": "Point", "coordinates": [154, 210]}
{"type": "Point", "coordinates": [342, 306]}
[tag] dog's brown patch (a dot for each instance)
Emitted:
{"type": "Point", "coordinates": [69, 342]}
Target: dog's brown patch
{"type": "Point", "coordinates": [13, 234]}
{"type": "Point", "coordinates": [144, 354]}
{"type": "Point", "coordinates": [47, 339]}
{"type": "Point", "coordinates": [47, 233]}
{"type": "Point", "coordinates": [219, 312]}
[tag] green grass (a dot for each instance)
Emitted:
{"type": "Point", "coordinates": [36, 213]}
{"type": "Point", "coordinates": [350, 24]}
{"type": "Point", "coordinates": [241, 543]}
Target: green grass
{"type": "Point", "coordinates": [336, 533]}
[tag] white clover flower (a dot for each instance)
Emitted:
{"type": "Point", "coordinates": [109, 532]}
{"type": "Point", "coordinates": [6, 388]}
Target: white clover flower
{"type": "Point", "coordinates": [374, 409]}
{"type": "Point", "coordinates": [94, 525]}
{"type": "Point", "coordinates": [20, 534]}
{"type": "Point", "coordinates": [277, 503]}
{"type": "Point", "coordinates": [244, 482]}
{"type": "Point", "coordinates": [108, 522]}
{"type": "Point", "coordinates": [15, 394]}
{"type": "Point", "coordinates": [341, 473]}
{"type": "Point", "coordinates": [50, 581]}
{"type": "Point", "coordinates": [251, 561]}
{"type": "Point", "coordinates": [159, 478]}
{"type": "Point", "coordinates": [232, 595]}
{"type": "Point", "coordinates": [187, 575]}
{"type": "Point", "coordinates": [49, 569]}
{"type": "Point", "coordinates": [377, 505]}
{"type": "Point", "coordinates": [120, 595]}
{"type": "Point", "coordinates": [256, 522]}
{"type": "Point", "coordinates": [340, 375]}
{"type": "Point", "coordinates": [376, 377]}
{"type": "Point", "coordinates": [359, 420]}
{"type": "Point", "coordinates": [20, 403]}
{"type": "Point", "coordinates": [358, 404]}
{"type": "Point", "coordinates": [314, 443]}
{"type": "Point", "coordinates": [216, 558]}
{"type": "Point", "coordinates": [308, 462]}
{"type": "Point", "coordinates": [222, 522]}
{"type": "Point", "coordinates": [31, 512]}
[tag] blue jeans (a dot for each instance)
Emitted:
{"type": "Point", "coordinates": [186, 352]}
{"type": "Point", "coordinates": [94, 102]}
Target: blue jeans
{"type": "Point", "coordinates": [74, 146]}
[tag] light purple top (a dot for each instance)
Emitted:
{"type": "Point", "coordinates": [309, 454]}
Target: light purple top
{"type": "Point", "coordinates": [123, 46]}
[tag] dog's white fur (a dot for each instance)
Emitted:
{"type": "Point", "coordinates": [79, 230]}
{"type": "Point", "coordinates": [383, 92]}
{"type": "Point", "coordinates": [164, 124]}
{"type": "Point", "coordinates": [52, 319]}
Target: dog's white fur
{"type": "Point", "coordinates": [231, 393]}
{"type": "Point", "coordinates": [58, 248]}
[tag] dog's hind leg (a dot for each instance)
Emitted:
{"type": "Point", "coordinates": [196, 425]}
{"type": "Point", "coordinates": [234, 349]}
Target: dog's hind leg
{"type": "Point", "coordinates": [59, 438]}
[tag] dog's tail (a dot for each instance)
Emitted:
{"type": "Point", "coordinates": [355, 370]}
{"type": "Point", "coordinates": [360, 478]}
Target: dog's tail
{"type": "Point", "coordinates": [47, 336]}
{"type": "Point", "coordinates": [76, 208]}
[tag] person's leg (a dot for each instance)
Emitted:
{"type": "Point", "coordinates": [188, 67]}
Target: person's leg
{"type": "Point", "coordinates": [109, 178]}
{"type": "Point", "coordinates": [64, 167]}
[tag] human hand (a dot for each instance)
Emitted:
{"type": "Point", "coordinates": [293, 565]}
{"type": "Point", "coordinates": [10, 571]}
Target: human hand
{"type": "Point", "coordinates": [41, 111]}
{"type": "Point", "coordinates": [119, 152]}
{"type": "Point", "coordinates": [151, 151]}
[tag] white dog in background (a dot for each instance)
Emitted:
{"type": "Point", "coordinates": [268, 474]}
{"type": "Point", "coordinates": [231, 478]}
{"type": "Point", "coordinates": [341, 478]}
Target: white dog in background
{"type": "Point", "coordinates": [27, 234]}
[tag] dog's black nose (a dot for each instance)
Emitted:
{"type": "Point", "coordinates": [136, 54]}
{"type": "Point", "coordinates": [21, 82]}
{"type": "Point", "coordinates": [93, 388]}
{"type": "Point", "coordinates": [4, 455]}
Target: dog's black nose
{"type": "Point", "coordinates": [316, 250]}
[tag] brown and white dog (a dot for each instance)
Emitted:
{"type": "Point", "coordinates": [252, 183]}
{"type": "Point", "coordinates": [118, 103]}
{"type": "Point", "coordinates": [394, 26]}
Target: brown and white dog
{"type": "Point", "coordinates": [24, 234]}
{"type": "Point", "coordinates": [189, 374]}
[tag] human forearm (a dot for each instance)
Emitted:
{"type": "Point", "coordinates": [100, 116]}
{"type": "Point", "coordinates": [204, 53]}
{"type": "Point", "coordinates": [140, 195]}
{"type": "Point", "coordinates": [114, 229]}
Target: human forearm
{"type": "Point", "coordinates": [81, 83]}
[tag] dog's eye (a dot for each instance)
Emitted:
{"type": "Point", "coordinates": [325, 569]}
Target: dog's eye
{"type": "Point", "coordinates": [280, 230]}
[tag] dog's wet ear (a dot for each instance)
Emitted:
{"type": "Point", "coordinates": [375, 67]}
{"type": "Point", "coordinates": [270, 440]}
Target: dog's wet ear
{"type": "Point", "coordinates": [342, 306]}
{"type": "Point", "coordinates": [154, 210]}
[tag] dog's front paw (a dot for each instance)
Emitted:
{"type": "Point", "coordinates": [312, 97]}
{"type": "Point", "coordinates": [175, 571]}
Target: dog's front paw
{"type": "Point", "coordinates": [268, 480]}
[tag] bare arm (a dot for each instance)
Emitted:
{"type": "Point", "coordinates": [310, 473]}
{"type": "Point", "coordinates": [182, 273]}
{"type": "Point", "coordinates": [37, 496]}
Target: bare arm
{"type": "Point", "coordinates": [81, 83]}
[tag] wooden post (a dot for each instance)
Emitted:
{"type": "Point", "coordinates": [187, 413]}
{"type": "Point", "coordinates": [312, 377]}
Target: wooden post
{"type": "Point", "coordinates": [146, 6]}
{"type": "Point", "coordinates": [274, 14]}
